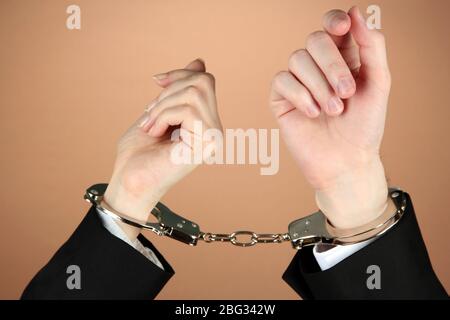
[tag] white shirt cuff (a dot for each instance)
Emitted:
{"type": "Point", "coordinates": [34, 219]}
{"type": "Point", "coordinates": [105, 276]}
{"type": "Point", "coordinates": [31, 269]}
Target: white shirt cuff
{"type": "Point", "coordinates": [327, 256]}
{"type": "Point", "coordinates": [111, 225]}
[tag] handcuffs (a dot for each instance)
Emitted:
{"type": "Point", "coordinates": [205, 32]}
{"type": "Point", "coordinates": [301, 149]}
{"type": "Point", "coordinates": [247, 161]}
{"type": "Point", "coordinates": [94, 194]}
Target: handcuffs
{"type": "Point", "coordinates": [310, 230]}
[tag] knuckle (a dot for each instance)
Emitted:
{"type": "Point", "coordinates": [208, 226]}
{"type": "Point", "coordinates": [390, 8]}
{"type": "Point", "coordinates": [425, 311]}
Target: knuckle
{"type": "Point", "coordinates": [192, 91]}
{"type": "Point", "coordinates": [194, 96]}
{"type": "Point", "coordinates": [316, 37]}
{"type": "Point", "coordinates": [203, 78]}
{"type": "Point", "coordinates": [209, 77]}
{"type": "Point", "coordinates": [207, 80]}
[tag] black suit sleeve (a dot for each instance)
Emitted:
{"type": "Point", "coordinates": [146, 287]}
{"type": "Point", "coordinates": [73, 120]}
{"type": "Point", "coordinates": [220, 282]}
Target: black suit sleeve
{"type": "Point", "coordinates": [110, 268]}
{"type": "Point", "coordinates": [405, 269]}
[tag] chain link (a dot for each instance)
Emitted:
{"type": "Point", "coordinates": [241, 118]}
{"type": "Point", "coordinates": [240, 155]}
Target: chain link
{"type": "Point", "coordinates": [305, 231]}
{"type": "Point", "coordinates": [250, 238]}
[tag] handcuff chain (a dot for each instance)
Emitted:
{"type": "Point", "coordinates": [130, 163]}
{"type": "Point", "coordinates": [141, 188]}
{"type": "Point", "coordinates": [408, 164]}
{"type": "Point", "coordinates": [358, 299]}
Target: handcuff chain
{"type": "Point", "coordinates": [252, 238]}
{"type": "Point", "coordinates": [306, 231]}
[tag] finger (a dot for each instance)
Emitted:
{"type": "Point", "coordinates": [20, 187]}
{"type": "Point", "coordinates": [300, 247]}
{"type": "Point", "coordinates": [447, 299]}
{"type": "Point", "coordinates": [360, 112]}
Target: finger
{"type": "Point", "coordinates": [302, 65]}
{"type": "Point", "coordinates": [372, 48]}
{"type": "Point", "coordinates": [188, 96]}
{"type": "Point", "coordinates": [188, 135]}
{"type": "Point", "coordinates": [337, 24]}
{"type": "Point", "coordinates": [164, 79]}
{"type": "Point", "coordinates": [142, 121]}
{"type": "Point", "coordinates": [324, 52]}
{"type": "Point", "coordinates": [202, 80]}
{"type": "Point", "coordinates": [183, 115]}
{"type": "Point", "coordinates": [287, 87]}
{"type": "Point", "coordinates": [172, 77]}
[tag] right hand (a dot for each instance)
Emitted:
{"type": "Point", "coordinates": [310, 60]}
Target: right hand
{"type": "Point", "coordinates": [331, 107]}
{"type": "Point", "coordinates": [143, 169]}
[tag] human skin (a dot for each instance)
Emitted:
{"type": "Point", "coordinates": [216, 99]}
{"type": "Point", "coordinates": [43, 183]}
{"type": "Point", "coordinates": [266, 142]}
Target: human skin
{"type": "Point", "coordinates": [143, 170]}
{"type": "Point", "coordinates": [330, 104]}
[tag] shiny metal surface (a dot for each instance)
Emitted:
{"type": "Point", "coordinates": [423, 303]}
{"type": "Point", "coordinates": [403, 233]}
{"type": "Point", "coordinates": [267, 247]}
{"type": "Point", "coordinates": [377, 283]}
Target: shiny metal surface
{"type": "Point", "coordinates": [310, 230]}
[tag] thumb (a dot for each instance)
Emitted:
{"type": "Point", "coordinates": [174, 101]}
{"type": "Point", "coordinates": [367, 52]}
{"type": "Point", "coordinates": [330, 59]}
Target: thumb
{"type": "Point", "coordinates": [337, 23]}
{"type": "Point", "coordinates": [372, 47]}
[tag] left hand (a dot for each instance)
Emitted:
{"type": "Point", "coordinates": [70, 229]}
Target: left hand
{"type": "Point", "coordinates": [144, 169]}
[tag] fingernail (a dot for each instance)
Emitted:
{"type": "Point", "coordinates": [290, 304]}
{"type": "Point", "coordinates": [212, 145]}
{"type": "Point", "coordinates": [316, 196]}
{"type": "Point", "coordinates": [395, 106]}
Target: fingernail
{"type": "Point", "coordinates": [345, 86]}
{"type": "Point", "coordinates": [335, 105]}
{"type": "Point", "coordinates": [144, 121]}
{"type": "Point", "coordinates": [160, 76]}
{"type": "Point", "coordinates": [150, 105]}
{"type": "Point", "coordinates": [312, 111]}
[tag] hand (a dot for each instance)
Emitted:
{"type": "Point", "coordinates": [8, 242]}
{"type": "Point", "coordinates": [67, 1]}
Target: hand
{"type": "Point", "coordinates": [143, 169]}
{"type": "Point", "coordinates": [331, 108]}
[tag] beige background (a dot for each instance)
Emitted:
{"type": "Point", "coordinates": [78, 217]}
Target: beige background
{"type": "Point", "coordinates": [66, 96]}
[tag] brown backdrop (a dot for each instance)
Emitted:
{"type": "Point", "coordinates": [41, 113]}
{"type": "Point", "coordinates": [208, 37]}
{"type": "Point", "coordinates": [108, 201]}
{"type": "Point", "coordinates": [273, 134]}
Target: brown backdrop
{"type": "Point", "coordinates": [66, 96]}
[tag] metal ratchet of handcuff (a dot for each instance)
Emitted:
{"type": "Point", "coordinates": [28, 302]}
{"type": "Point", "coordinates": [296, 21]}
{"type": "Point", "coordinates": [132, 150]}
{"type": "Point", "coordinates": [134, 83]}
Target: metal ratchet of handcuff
{"type": "Point", "coordinates": [310, 230]}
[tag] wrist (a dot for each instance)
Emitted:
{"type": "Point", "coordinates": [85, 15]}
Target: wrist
{"type": "Point", "coordinates": [356, 197]}
{"type": "Point", "coordinates": [137, 206]}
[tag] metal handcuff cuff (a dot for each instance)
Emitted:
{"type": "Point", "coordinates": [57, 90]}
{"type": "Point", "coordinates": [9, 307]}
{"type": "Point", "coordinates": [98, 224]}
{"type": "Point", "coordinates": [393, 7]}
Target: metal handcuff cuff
{"type": "Point", "coordinates": [310, 230]}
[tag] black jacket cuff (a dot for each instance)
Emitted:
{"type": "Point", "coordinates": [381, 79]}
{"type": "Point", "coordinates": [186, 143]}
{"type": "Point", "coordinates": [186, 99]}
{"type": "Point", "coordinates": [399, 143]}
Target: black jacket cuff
{"type": "Point", "coordinates": [405, 268]}
{"type": "Point", "coordinates": [110, 268]}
